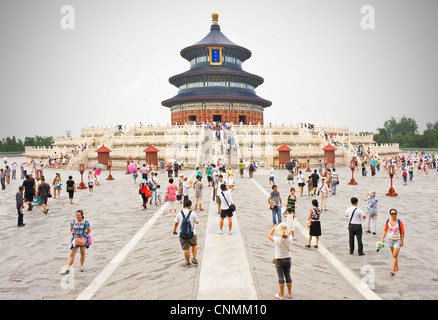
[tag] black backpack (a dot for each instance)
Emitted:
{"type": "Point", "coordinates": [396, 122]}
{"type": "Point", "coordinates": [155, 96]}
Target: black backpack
{"type": "Point", "coordinates": [186, 231]}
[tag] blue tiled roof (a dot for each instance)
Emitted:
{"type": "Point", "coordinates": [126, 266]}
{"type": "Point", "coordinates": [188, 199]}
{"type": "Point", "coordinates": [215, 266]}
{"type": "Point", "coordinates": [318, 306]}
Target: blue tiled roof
{"type": "Point", "coordinates": [215, 38]}
{"type": "Point", "coordinates": [207, 69]}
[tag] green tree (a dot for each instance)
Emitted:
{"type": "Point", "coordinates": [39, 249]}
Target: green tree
{"type": "Point", "coordinates": [381, 136]}
{"type": "Point", "coordinates": [405, 132]}
{"type": "Point", "coordinates": [13, 144]}
{"type": "Point", "coordinates": [404, 126]}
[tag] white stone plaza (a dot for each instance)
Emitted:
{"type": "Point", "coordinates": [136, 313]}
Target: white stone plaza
{"type": "Point", "coordinates": [135, 256]}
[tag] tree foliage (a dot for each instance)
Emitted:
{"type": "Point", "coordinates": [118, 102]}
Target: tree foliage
{"type": "Point", "coordinates": [405, 132]}
{"type": "Point", "coordinates": [9, 144]}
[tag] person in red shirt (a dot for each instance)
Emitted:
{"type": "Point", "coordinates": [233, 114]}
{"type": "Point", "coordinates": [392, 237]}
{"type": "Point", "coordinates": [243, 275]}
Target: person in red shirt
{"type": "Point", "coordinates": [396, 234]}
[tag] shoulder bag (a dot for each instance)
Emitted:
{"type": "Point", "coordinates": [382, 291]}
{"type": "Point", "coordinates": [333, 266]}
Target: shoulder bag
{"type": "Point", "coordinates": [47, 187]}
{"type": "Point", "coordinates": [232, 207]}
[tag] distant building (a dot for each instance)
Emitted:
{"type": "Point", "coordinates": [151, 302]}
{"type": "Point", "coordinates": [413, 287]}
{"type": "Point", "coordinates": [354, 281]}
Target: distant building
{"type": "Point", "coordinates": [216, 88]}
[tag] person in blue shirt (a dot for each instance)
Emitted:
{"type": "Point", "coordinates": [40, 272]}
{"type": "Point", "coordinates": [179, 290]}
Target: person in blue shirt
{"type": "Point", "coordinates": [372, 203]}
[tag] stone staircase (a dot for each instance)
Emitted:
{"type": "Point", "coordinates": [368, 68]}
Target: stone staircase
{"type": "Point", "coordinates": [90, 152]}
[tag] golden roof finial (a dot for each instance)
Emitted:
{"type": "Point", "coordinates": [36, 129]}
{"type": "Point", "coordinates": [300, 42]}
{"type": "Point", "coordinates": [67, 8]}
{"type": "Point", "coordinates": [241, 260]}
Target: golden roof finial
{"type": "Point", "coordinates": [215, 17]}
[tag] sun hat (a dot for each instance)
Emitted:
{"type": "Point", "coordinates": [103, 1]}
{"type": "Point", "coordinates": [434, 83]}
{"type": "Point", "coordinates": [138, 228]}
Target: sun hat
{"type": "Point", "coordinates": [282, 230]}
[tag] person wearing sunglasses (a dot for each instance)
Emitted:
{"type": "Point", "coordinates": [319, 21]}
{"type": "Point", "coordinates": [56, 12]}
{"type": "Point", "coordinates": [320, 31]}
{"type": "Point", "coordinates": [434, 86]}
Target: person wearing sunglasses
{"type": "Point", "coordinates": [396, 233]}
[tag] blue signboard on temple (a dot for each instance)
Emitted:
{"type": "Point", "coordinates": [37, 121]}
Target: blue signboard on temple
{"type": "Point", "coordinates": [216, 56]}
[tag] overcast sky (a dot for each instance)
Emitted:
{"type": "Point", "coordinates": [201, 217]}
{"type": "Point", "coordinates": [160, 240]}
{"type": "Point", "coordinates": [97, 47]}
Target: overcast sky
{"type": "Point", "coordinates": [319, 64]}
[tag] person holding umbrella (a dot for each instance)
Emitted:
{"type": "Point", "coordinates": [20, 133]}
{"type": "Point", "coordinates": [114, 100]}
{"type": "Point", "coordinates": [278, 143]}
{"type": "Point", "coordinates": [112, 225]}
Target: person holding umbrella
{"type": "Point", "coordinates": [290, 177]}
{"type": "Point", "coordinates": [373, 164]}
{"type": "Point", "coordinates": [97, 171]}
{"type": "Point", "coordinates": [133, 169]}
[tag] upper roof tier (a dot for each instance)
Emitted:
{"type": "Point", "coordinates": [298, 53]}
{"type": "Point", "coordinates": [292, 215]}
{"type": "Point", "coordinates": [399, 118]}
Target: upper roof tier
{"type": "Point", "coordinates": [215, 38]}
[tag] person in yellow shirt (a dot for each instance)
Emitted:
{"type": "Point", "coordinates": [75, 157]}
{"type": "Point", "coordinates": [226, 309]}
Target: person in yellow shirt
{"type": "Point", "coordinates": [230, 172]}
{"type": "Point", "coordinates": [241, 168]}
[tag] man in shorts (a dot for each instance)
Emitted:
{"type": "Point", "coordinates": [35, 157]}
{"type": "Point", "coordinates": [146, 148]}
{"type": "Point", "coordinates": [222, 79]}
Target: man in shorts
{"type": "Point", "coordinates": [29, 191]}
{"type": "Point", "coordinates": [271, 176]}
{"type": "Point", "coordinates": [193, 241]}
{"type": "Point", "coordinates": [225, 199]}
{"type": "Point", "coordinates": [315, 178]}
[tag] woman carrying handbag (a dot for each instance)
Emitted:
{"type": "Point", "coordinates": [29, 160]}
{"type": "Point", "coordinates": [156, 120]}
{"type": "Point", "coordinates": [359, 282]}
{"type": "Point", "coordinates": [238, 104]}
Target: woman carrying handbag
{"type": "Point", "coordinates": [145, 193]}
{"type": "Point", "coordinates": [80, 229]}
{"type": "Point", "coordinates": [314, 224]}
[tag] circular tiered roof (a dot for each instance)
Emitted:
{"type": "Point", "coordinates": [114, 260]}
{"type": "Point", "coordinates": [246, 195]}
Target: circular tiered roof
{"type": "Point", "coordinates": [216, 82]}
{"type": "Point", "coordinates": [230, 71]}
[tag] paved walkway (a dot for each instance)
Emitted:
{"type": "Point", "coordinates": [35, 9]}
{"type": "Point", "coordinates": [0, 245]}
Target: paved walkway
{"type": "Point", "coordinates": [225, 271]}
{"type": "Point", "coordinates": [135, 255]}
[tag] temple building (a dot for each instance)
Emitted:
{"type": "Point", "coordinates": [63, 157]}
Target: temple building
{"type": "Point", "coordinates": [216, 88]}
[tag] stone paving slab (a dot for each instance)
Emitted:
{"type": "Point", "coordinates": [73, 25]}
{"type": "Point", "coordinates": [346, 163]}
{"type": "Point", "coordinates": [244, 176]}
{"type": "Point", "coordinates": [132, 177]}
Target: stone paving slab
{"type": "Point", "coordinates": [225, 271]}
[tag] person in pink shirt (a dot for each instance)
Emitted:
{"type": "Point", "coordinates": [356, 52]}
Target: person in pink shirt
{"type": "Point", "coordinates": [97, 175]}
{"type": "Point", "coordinates": [171, 196]}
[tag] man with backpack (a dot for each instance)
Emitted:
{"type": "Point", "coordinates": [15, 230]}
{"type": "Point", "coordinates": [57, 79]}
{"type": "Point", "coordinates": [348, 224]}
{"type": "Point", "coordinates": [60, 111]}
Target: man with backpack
{"type": "Point", "coordinates": [251, 169]}
{"type": "Point", "coordinates": [186, 220]}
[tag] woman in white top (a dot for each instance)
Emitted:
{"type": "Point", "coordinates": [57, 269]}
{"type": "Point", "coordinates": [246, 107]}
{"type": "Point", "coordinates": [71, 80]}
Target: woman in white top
{"type": "Point", "coordinates": [283, 260]}
{"type": "Point", "coordinates": [90, 181]}
{"type": "Point", "coordinates": [301, 182]}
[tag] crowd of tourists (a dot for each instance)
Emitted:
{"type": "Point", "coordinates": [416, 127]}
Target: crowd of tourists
{"type": "Point", "coordinates": [216, 181]}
